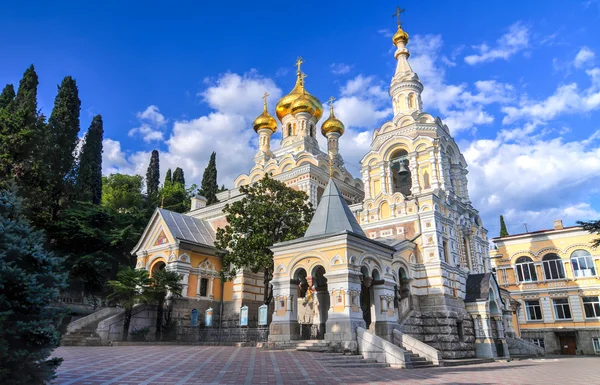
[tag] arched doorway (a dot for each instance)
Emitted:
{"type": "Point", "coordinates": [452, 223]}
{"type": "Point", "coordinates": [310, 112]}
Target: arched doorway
{"type": "Point", "coordinates": [318, 285]}
{"type": "Point", "coordinates": [365, 295]}
{"type": "Point", "coordinates": [160, 265]}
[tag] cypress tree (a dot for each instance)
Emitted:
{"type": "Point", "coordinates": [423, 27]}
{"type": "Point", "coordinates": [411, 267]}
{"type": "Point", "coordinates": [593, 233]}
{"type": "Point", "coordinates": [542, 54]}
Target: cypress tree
{"type": "Point", "coordinates": [503, 231]}
{"type": "Point", "coordinates": [64, 128]}
{"type": "Point", "coordinates": [31, 281]}
{"type": "Point", "coordinates": [209, 187]}
{"type": "Point", "coordinates": [178, 176]}
{"type": "Point", "coordinates": [168, 179]}
{"type": "Point", "coordinates": [153, 174]}
{"type": "Point", "coordinates": [26, 98]}
{"type": "Point", "coordinates": [7, 96]}
{"type": "Point", "coordinates": [21, 130]}
{"type": "Point", "coordinates": [89, 176]}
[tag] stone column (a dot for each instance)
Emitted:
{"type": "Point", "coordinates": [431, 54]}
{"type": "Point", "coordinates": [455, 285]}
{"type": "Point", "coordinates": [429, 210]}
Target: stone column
{"type": "Point", "coordinates": [435, 181]}
{"type": "Point", "coordinates": [383, 178]}
{"type": "Point", "coordinates": [284, 326]}
{"type": "Point", "coordinates": [367, 182]}
{"type": "Point", "coordinates": [211, 282]}
{"type": "Point", "coordinates": [342, 321]}
{"type": "Point", "coordinates": [414, 174]}
{"type": "Point", "coordinates": [383, 314]}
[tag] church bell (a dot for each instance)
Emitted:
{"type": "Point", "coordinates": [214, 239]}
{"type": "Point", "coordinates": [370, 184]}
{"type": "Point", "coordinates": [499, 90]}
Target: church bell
{"type": "Point", "coordinates": [402, 169]}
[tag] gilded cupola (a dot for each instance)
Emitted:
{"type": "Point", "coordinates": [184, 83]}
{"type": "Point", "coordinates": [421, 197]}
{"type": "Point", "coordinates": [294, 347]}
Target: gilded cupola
{"type": "Point", "coordinates": [332, 124]}
{"type": "Point", "coordinates": [265, 120]}
{"type": "Point", "coordinates": [284, 105]}
{"type": "Point", "coordinates": [400, 35]}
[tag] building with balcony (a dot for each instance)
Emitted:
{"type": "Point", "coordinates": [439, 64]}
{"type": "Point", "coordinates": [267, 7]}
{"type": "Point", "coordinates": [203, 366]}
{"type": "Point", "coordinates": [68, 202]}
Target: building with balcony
{"type": "Point", "coordinates": [553, 275]}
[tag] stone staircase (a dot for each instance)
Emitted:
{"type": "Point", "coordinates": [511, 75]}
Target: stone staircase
{"type": "Point", "coordinates": [336, 360]}
{"type": "Point", "coordinates": [416, 361]}
{"type": "Point", "coordinates": [317, 346]}
{"type": "Point", "coordinates": [86, 336]}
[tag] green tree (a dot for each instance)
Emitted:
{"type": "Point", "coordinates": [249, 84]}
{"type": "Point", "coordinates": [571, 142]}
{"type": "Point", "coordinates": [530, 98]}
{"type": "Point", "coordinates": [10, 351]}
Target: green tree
{"type": "Point", "coordinates": [270, 212]}
{"type": "Point", "coordinates": [175, 197]}
{"type": "Point", "coordinates": [26, 98]}
{"type": "Point", "coordinates": [168, 179]}
{"type": "Point", "coordinates": [129, 289]}
{"type": "Point", "coordinates": [503, 231]}
{"type": "Point", "coordinates": [122, 193]}
{"type": "Point", "coordinates": [153, 175]}
{"type": "Point", "coordinates": [89, 175]}
{"type": "Point", "coordinates": [593, 227]}
{"type": "Point", "coordinates": [64, 129]}
{"type": "Point", "coordinates": [30, 280]}
{"type": "Point", "coordinates": [82, 237]}
{"type": "Point", "coordinates": [21, 133]}
{"type": "Point", "coordinates": [209, 187]}
{"type": "Point", "coordinates": [163, 283]}
{"type": "Point", "coordinates": [178, 176]}
{"type": "Point", "coordinates": [7, 96]}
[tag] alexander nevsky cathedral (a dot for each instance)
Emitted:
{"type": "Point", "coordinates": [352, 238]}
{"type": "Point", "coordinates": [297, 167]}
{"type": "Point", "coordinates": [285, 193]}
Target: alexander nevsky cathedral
{"type": "Point", "coordinates": [398, 257]}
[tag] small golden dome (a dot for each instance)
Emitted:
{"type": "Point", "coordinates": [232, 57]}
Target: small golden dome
{"type": "Point", "coordinates": [265, 120]}
{"type": "Point", "coordinates": [303, 104]}
{"type": "Point", "coordinates": [400, 35]}
{"type": "Point", "coordinates": [332, 124]}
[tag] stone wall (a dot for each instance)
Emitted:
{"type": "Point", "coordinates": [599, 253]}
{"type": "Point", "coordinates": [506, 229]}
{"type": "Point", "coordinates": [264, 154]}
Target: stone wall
{"type": "Point", "coordinates": [552, 340]}
{"type": "Point", "coordinates": [439, 329]}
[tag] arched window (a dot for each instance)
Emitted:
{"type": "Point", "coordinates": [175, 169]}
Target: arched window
{"type": "Point", "coordinates": [525, 270]}
{"type": "Point", "coordinates": [401, 176]}
{"type": "Point", "coordinates": [553, 267]}
{"type": "Point", "coordinates": [289, 129]}
{"type": "Point", "coordinates": [312, 130]}
{"type": "Point", "coordinates": [583, 264]}
{"type": "Point", "coordinates": [411, 101]}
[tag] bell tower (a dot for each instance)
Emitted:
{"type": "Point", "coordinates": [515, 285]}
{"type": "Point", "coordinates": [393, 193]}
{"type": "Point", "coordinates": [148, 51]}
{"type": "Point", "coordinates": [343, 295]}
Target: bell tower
{"type": "Point", "coordinates": [406, 88]}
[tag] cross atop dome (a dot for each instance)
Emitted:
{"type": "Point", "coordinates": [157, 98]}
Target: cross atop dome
{"type": "Point", "coordinates": [299, 62]}
{"type": "Point", "coordinates": [399, 11]}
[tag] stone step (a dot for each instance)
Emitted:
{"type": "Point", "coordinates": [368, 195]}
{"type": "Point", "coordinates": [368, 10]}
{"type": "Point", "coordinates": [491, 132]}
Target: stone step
{"type": "Point", "coordinates": [467, 361]}
{"type": "Point", "coordinates": [428, 365]}
{"type": "Point", "coordinates": [341, 359]}
{"type": "Point", "coordinates": [359, 365]}
{"type": "Point", "coordinates": [418, 359]}
{"type": "Point", "coordinates": [312, 348]}
{"type": "Point", "coordinates": [312, 343]}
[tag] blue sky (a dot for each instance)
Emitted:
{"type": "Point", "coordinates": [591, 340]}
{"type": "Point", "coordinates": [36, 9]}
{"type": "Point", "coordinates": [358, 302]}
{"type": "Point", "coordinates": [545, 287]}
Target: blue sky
{"type": "Point", "coordinates": [518, 83]}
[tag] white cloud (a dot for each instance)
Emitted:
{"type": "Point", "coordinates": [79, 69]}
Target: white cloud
{"type": "Point", "coordinates": [363, 103]}
{"type": "Point", "coordinates": [461, 106]}
{"type": "Point", "coordinates": [240, 94]}
{"type": "Point", "coordinates": [236, 101]}
{"type": "Point", "coordinates": [533, 180]}
{"type": "Point", "coordinates": [567, 99]}
{"type": "Point", "coordinates": [583, 57]}
{"type": "Point", "coordinates": [152, 124]}
{"type": "Point", "coordinates": [340, 68]}
{"type": "Point", "coordinates": [515, 40]}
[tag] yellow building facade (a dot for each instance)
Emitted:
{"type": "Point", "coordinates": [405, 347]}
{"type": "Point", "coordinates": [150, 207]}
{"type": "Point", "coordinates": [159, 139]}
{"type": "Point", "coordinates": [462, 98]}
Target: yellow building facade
{"type": "Point", "coordinates": [554, 277]}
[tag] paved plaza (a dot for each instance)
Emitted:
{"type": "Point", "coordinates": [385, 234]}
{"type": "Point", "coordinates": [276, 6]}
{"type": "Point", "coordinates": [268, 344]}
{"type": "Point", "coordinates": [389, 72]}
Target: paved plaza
{"type": "Point", "coordinates": [231, 365]}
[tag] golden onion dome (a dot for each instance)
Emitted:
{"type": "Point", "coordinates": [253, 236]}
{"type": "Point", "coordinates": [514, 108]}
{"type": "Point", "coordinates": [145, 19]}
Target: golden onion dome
{"type": "Point", "coordinates": [265, 120]}
{"type": "Point", "coordinates": [284, 104]}
{"type": "Point", "coordinates": [400, 35]}
{"type": "Point", "coordinates": [332, 124]}
{"type": "Point", "coordinates": [303, 104]}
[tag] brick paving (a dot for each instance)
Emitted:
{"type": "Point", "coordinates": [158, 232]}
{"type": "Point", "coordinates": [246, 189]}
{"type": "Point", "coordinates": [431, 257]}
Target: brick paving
{"type": "Point", "coordinates": [230, 365]}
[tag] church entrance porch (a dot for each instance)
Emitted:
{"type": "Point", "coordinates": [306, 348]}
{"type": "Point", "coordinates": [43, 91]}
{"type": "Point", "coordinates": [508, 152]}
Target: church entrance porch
{"type": "Point", "coordinates": [312, 303]}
